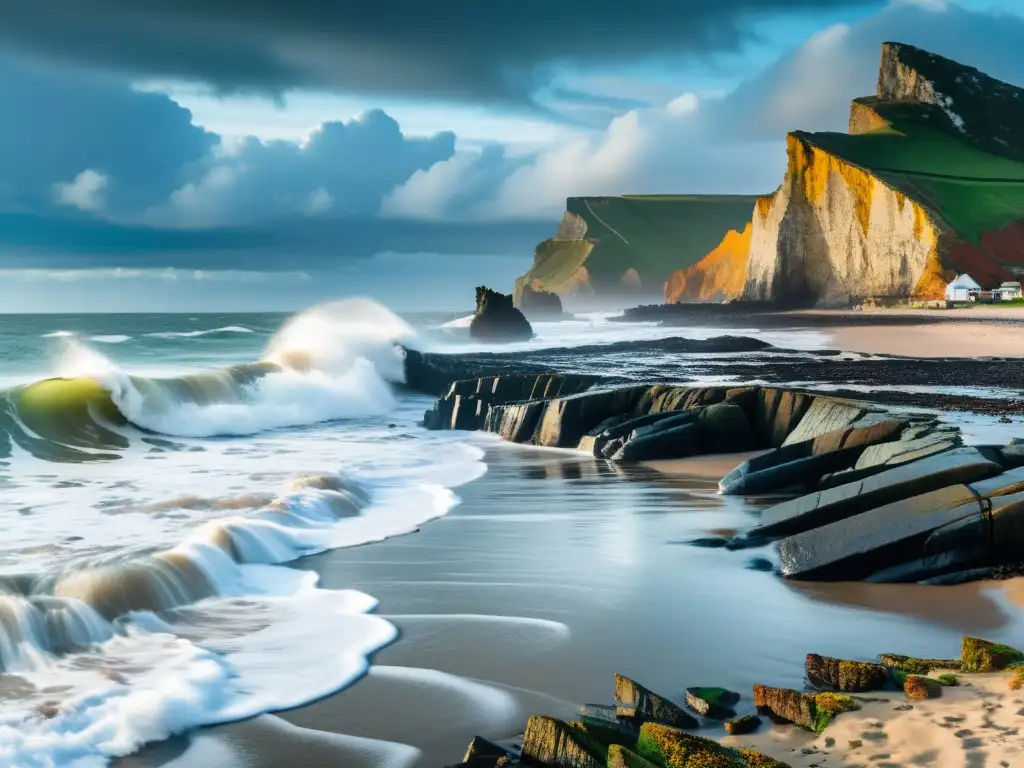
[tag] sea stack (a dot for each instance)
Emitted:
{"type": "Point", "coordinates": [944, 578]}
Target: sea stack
{"type": "Point", "coordinates": [497, 320]}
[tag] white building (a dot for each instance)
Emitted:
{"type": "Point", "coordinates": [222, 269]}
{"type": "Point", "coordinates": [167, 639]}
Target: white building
{"type": "Point", "coordinates": [1008, 291]}
{"type": "Point", "coordinates": [961, 288]}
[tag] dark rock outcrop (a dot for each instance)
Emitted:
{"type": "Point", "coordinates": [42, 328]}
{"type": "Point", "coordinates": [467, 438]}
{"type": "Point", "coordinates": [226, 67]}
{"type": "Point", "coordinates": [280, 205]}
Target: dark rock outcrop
{"type": "Point", "coordinates": [497, 320]}
{"type": "Point", "coordinates": [538, 304]}
{"type": "Point", "coordinates": [785, 705]}
{"type": "Point", "coordinates": [741, 726]}
{"type": "Point", "coordinates": [551, 742]}
{"type": "Point", "coordinates": [636, 704]}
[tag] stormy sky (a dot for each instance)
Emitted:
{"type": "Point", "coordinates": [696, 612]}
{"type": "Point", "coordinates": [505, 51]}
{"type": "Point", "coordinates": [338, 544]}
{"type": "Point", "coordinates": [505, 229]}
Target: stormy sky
{"type": "Point", "coordinates": [216, 154]}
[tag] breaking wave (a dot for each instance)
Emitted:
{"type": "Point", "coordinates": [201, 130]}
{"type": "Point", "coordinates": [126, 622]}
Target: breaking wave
{"type": "Point", "coordinates": [336, 361]}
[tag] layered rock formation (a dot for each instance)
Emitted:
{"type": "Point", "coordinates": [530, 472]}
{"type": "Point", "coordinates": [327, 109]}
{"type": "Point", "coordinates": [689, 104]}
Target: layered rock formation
{"type": "Point", "coordinates": [538, 304]}
{"type": "Point", "coordinates": [608, 248]}
{"type": "Point", "coordinates": [929, 183]}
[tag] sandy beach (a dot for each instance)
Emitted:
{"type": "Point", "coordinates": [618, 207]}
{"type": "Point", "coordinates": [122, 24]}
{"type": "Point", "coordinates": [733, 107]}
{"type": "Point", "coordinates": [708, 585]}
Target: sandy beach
{"type": "Point", "coordinates": [983, 332]}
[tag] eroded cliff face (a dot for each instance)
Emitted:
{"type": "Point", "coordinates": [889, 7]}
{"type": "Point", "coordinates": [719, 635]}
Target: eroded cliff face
{"type": "Point", "coordinates": [719, 276]}
{"type": "Point", "coordinates": [834, 233]}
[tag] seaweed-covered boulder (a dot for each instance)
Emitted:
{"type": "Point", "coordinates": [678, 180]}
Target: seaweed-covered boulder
{"type": "Point", "coordinates": [785, 705]}
{"type": "Point", "coordinates": [497, 320]}
{"type": "Point", "coordinates": [843, 675]}
{"type": "Point", "coordinates": [669, 747]}
{"type": "Point", "coordinates": [985, 656]}
{"type": "Point", "coordinates": [636, 704]}
{"type": "Point", "coordinates": [813, 712]}
{"type": "Point", "coordinates": [716, 703]}
{"type": "Point", "coordinates": [919, 688]}
{"type": "Point", "coordinates": [741, 726]}
{"type": "Point", "coordinates": [555, 743]}
{"type": "Point", "coordinates": [917, 666]}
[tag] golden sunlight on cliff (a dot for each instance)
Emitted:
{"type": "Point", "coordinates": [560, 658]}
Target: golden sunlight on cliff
{"type": "Point", "coordinates": [719, 276]}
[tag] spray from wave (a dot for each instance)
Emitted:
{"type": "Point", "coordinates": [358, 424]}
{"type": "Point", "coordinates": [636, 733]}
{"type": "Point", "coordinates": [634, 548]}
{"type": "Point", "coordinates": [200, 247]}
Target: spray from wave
{"type": "Point", "coordinates": [335, 361]}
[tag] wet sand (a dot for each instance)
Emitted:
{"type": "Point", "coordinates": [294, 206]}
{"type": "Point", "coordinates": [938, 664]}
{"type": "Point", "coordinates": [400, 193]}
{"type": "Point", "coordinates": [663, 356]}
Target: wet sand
{"type": "Point", "coordinates": [554, 573]}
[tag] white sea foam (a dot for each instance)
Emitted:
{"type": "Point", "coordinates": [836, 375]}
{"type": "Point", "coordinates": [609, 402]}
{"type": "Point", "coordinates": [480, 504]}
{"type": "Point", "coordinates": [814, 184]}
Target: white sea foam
{"type": "Point", "coordinates": [58, 335]}
{"type": "Point", "coordinates": [193, 334]}
{"type": "Point", "coordinates": [110, 339]}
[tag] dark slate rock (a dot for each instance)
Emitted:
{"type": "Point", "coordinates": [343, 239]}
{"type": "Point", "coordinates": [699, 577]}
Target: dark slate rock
{"type": "Point", "coordinates": [857, 546]}
{"type": "Point", "coordinates": [716, 703]}
{"type": "Point", "coordinates": [835, 504]}
{"type": "Point", "coordinates": [724, 428]}
{"type": "Point", "coordinates": [742, 725]}
{"type": "Point", "coordinates": [567, 419]}
{"type": "Point", "coordinates": [675, 443]}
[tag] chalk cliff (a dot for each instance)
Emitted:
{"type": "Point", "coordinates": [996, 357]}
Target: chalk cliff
{"type": "Point", "coordinates": [929, 182]}
{"type": "Point", "coordinates": [625, 247]}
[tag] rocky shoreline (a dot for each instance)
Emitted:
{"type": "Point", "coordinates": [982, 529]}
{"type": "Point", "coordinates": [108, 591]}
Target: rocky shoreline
{"type": "Point", "coordinates": [644, 729]}
{"type": "Point", "coordinates": [867, 493]}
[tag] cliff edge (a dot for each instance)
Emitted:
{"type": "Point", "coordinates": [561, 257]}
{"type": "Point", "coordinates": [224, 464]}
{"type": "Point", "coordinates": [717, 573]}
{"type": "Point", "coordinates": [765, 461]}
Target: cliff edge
{"type": "Point", "coordinates": [928, 183]}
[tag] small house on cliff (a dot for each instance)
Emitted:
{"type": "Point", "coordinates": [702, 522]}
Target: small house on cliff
{"type": "Point", "coordinates": [962, 288]}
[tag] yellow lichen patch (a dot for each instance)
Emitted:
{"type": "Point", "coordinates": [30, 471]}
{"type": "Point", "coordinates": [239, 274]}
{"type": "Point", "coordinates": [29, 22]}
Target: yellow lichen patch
{"type": "Point", "coordinates": [920, 219]}
{"type": "Point", "coordinates": [719, 276]}
{"type": "Point", "coordinates": [757, 760]}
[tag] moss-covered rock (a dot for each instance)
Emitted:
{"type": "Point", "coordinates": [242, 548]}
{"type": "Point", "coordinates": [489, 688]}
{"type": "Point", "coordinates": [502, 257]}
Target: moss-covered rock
{"type": "Point", "coordinates": [620, 757]}
{"type": "Point", "coordinates": [985, 656]}
{"type": "Point", "coordinates": [919, 688]}
{"type": "Point", "coordinates": [914, 666]}
{"type": "Point", "coordinates": [786, 705]}
{"type": "Point", "coordinates": [948, 680]}
{"type": "Point", "coordinates": [638, 705]}
{"type": "Point", "coordinates": [675, 749]}
{"type": "Point", "coordinates": [742, 725]}
{"type": "Point", "coordinates": [716, 703]}
{"type": "Point", "coordinates": [757, 760]}
{"type": "Point", "coordinates": [843, 675]}
{"type": "Point", "coordinates": [828, 706]}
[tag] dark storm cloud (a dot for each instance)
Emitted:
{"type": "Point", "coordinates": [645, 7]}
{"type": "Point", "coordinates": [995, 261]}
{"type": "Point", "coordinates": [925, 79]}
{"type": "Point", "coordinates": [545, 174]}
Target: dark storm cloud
{"type": "Point", "coordinates": [456, 49]}
{"type": "Point", "coordinates": [58, 124]}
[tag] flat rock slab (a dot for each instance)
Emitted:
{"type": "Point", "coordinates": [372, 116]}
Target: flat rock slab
{"type": "Point", "coordinates": [963, 465]}
{"type": "Point", "coordinates": [1001, 485]}
{"type": "Point", "coordinates": [716, 703]}
{"type": "Point", "coordinates": [857, 546]}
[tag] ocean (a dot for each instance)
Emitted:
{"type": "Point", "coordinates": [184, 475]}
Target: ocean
{"type": "Point", "coordinates": [163, 474]}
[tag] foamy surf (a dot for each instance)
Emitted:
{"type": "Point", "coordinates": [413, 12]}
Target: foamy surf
{"type": "Point", "coordinates": [162, 599]}
{"type": "Point", "coordinates": [194, 334]}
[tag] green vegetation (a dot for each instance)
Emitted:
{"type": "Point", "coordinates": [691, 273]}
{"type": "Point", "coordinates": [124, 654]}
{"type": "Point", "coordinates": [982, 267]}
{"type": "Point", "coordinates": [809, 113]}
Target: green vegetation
{"type": "Point", "coordinates": [948, 680]}
{"type": "Point", "coordinates": [973, 191]}
{"type": "Point", "coordinates": [828, 706]}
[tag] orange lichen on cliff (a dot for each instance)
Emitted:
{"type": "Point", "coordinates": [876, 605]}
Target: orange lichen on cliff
{"type": "Point", "coordinates": [814, 167]}
{"type": "Point", "coordinates": [764, 205]}
{"type": "Point", "coordinates": [718, 276]}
